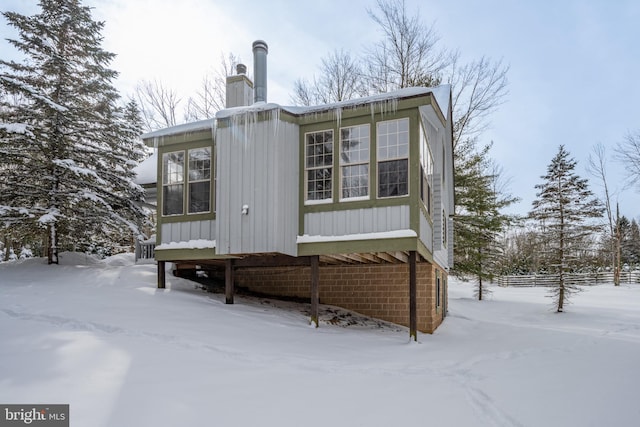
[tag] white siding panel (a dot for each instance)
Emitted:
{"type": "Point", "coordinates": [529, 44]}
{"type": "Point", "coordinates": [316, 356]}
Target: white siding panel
{"type": "Point", "coordinates": [357, 221]}
{"type": "Point", "coordinates": [258, 167]}
{"type": "Point", "coordinates": [426, 232]}
{"type": "Point", "coordinates": [188, 230]}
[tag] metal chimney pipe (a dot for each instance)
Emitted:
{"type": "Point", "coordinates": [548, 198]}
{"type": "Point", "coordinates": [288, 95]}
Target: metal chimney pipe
{"type": "Point", "coordinates": [260, 51]}
{"type": "Point", "coordinates": [241, 69]}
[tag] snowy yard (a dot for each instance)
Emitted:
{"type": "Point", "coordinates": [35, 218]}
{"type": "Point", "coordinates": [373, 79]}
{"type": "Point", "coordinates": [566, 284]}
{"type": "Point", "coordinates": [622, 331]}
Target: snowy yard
{"type": "Point", "coordinates": [101, 337]}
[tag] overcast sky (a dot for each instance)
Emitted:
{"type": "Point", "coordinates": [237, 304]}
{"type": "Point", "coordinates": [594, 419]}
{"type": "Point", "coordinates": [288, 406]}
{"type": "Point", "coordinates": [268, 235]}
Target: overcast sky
{"type": "Point", "coordinates": [573, 79]}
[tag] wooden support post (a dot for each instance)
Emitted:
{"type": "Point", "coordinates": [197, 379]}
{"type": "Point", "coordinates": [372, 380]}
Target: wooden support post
{"type": "Point", "coordinates": [315, 288]}
{"type": "Point", "coordinates": [161, 275]}
{"type": "Point", "coordinates": [228, 281]}
{"type": "Point", "coordinates": [413, 320]}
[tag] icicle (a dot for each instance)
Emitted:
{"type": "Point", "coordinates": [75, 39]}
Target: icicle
{"type": "Point", "coordinates": [337, 113]}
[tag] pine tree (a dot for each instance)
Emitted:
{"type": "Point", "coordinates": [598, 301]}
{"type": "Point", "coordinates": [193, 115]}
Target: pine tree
{"type": "Point", "coordinates": [479, 221]}
{"type": "Point", "coordinates": [563, 207]}
{"type": "Point", "coordinates": [68, 146]}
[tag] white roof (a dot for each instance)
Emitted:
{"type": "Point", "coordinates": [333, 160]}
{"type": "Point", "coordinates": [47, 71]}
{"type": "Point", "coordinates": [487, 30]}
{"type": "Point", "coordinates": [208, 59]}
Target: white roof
{"type": "Point", "coordinates": [147, 170]}
{"type": "Point", "coordinates": [186, 127]}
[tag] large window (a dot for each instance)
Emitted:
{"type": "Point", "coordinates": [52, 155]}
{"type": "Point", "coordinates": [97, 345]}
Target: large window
{"type": "Point", "coordinates": [173, 183]}
{"type": "Point", "coordinates": [426, 172]}
{"type": "Point", "coordinates": [319, 165]}
{"type": "Point", "coordinates": [354, 162]}
{"type": "Point", "coordinates": [393, 158]}
{"type": "Point", "coordinates": [199, 180]}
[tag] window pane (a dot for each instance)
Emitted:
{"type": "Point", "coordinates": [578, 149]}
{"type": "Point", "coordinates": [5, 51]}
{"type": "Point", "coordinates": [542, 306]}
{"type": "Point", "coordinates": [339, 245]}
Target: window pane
{"type": "Point", "coordinates": [393, 139]}
{"type": "Point", "coordinates": [172, 199]}
{"type": "Point", "coordinates": [319, 184]}
{"type": "Point", "coordinates": [355, 181]}
{"type": "Point", "coordinates": [199, 197]}
{"type": "Point", "coordinates": [199, 164]}
{"type": "Point", "coordinates": [393, 178]}
{"type": "Point", "coordinates": [319, 164]}
{"type": "Point", "coordinates": [173, 167]}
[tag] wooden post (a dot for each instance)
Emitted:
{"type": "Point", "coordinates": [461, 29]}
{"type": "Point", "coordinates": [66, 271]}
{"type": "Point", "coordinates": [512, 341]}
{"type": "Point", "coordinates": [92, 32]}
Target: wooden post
{"type": "Point", "coordinates": [413, 321]}
{"type": "Point", "coordinates": [161, 275]}
{"type": "Point", "coordinates": [228, 281]}
{"type": "Point", "coordinates": [315, 288]}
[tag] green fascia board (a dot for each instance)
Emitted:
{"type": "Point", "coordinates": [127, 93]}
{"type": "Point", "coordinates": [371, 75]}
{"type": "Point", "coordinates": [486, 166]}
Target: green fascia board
{"type": "Point", "coordinates": [422, 250]}
{"type": "Point", "coordinates": [358, 246]}
{"type": "Point", "coordinates": [180, 138]}
{"type": "Point", "coordinates": [186, 254]}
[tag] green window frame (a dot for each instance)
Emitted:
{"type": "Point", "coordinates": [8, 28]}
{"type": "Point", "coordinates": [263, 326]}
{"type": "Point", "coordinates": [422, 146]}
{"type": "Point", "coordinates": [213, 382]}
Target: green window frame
{"type": "Point", "coordinates": [199, 180]}
{"type": "Point", "coordinates": [173, 183]}
{"type": "Point", "coordinates": [318, 167]}
{"type": "Point", "coordinates": [393, 158]}
{"type": "Point", "coordinates": [354, 162]}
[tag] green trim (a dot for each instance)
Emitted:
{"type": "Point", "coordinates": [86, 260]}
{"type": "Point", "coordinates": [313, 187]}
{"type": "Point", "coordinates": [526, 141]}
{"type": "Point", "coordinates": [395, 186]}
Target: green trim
{"type": "Point", "coordinates": [186, 254]}
{"type": "Point", "coordinates": [426, 254]}
{"type": "Point", "coordinates": [358, 246]}
{"type": "Point", "coordinates": [359, 204]}
{"type": "Point", "coordinates": [181, 138]}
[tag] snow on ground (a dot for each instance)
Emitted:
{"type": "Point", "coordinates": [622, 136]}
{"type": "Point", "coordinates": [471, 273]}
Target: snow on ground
{"type": "Point", "coordinates": [99, 336]}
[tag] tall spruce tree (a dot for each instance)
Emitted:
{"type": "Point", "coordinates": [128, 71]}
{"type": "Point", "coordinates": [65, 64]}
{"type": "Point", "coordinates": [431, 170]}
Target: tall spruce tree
{"type": "Point", "coordinates": [68, 147]}
{"type": "Point", "coordinates": [563, 208]}
{"type": "Point", "coordinates": [478, 217]}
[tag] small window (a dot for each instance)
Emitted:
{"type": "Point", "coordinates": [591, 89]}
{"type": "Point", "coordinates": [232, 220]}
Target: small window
{"type": "Point", "coordinates": [319, 166]}
{"type": "Point", "coordinates": [393, 158]}
{"type": "Point", "coordinates": [354, 162]}
{"type": "Point", "coordinates": [173, 183]}
{"type": "Point", "coordinates": [426, 172]}
{"type": "Point", "coordinates": [200, 180]}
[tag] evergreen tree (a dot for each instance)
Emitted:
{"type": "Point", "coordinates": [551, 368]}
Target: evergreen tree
{"type": "Point", "coordinates": [68, 146]}
{"type": "Point", "coordinates": [563, 207]}
{"type": "Point", "coordinates": [479, 221]}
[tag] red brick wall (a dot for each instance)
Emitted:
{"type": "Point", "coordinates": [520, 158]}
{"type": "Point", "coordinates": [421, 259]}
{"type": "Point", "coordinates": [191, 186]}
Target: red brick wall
{"type": "Point", "coordinates": [376, 290]}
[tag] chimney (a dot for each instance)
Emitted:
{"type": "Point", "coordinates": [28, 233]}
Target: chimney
{"type": "Point", "coordinates": [239, 90]}
{"type": "Point", "coordinates": [260, 51]}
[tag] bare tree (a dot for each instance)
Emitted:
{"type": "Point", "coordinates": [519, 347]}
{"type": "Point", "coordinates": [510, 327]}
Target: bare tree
{"type": "Point", "coordinates": [479, 88]}
{"type": "Point", "coordinates": [407, 55]}
{"type": "Point", "coordinates": [341, 79]}
{"type": "Point", "coordinates": [158, 104]}
{"type": "Point", "coordinates": [628, 153]}
{"type": "Point", "coordinates": [211, 97]}
{"type": "Point", "coordinates": [597, 167]}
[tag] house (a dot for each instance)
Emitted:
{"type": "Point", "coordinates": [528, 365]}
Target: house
{"type": "Point", "coordinates": [347, 204]}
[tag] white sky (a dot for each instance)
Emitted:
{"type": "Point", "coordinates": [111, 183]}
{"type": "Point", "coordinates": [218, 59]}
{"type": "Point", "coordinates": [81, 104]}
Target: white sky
{"type": "Point", "coordinates": [573, 77]}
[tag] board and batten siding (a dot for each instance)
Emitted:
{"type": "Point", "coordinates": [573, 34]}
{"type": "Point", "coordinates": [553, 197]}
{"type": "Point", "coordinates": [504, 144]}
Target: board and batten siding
{"type": "Point", "coordinates": [426, 232]}
{"type": "Point", "coordinates": [187, 230]}
{"type": "Point", "coordinates": [357, 221]}
{"type": "Point", "coordinates": [257, 165]}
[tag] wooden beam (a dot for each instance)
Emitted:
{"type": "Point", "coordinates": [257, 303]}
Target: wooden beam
{"type": "Point", "coordinates": [315, 288]}
{"type": "Point", "coordinates": [387, 257]}
{"type": "Point", "coordinates": [162, 278]}
{"type": "Point", "coordinates": [228, 281]}
{"type": "Point", "coordinates": [413, 313]}
{"type": "Point", "coordinates": [401, 256]}
{"type": "Point", "coordinates": [271, 260]}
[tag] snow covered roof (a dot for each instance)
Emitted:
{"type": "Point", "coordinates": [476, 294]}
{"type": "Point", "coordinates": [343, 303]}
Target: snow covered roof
{"type": "Point", "coordinates": [441, 94]}
{"type": "Point", "coordinates": [183, 128]}
{"type": "Point", "coordinates": [147, 170]}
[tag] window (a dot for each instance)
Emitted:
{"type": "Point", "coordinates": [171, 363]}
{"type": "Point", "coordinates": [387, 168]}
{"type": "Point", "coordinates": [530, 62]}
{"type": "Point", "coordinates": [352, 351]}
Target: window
{"type": "Point", "coordinates": [426, 172]}
{"type": "Point", "coordinates": [354, 162]}
{"type": "Point", "coordinates": [319, 165]}
{"type": "Point", "coordinates": [445, 229]}
{"type": "Point", "coordinates": [199, 180]}
{"type": "Point", "coordinates": [438, 288]}
{"type": "Point", "coordinates": [173, 183]}
{"type": "Point", "coordinates": [393, 158]}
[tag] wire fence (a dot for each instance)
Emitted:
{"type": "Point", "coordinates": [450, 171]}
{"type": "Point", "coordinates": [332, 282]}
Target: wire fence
{"type": "Point", "coordinates": [584, 279]}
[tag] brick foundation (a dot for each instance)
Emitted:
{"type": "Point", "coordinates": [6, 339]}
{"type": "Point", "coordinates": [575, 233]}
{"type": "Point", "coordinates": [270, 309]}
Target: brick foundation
{"type": "Point", "coordinates": [378, 290]}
